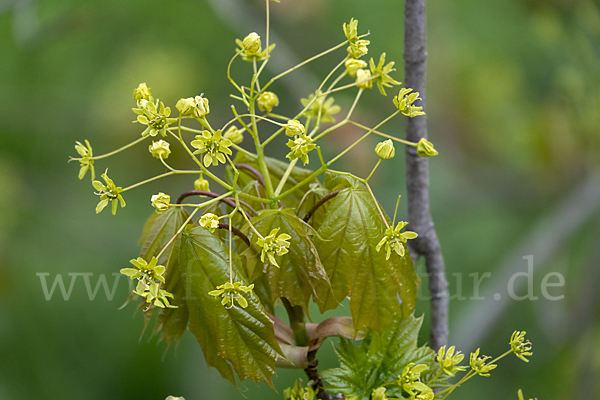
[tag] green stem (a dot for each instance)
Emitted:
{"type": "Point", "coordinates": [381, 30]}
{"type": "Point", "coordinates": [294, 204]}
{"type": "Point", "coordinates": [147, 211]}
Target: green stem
{"type": "Point", "coordinates": [303, 63]}
{"type": "Point", "coordinates": [377, 205]}
{"type": "Point", "coordinates": [178, 232]}
{"type": "Point", "coordinates": [115, 151]}
{"type": "Point", "coordinates": [374, 168]}
{"type": "Point", "coordinates": [362, 138]}
{"type": "Point", "coordinates": [260, 157]}
{"type": "Point", "coordinates": [285, 176]}
{"type": "Point", "coordinates": [406, 142]}
{"type": "Point", "coordinates": [360, 91]}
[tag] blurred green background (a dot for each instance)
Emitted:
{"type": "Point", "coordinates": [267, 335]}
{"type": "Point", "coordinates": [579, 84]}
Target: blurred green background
{"type": "Point", "coordinates": [513, 107]}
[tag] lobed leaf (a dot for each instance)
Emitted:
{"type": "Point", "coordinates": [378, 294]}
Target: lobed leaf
{"type": "Point", "coordinates": [379, 289]}
{"type": "Point", "coordinates": [234, 339]}
{"type": "Point", "coordinates": [380, 359]}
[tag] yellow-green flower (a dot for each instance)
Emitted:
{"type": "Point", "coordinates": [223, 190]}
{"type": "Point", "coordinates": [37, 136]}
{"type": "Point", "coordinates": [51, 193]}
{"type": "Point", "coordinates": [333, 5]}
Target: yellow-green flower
{"type": "Point", "coordinates": [519, 346]}
{"type": "Point", "coordinates": [161, 202]}
{"type": "Point", "coordinates": [267, 100]}
{"type": "Point", "coordinates": [425, 148]}
{"type": "Point", "coordinates": [86, 163]}
{"type": "Point", "coordinates": [357, 47]}
{"type": "Point", "coordinates": [300, 147]}
{"type": "Point", "coordinates": [322, 109]}
{"type": "Point", "coordinates": [394, 239]}
{"type": "Point", "coordinates": [230, 292]}
{"type": "Point", "coordinates": [274, 245]}
{"type": "Point", "coordinates": [363, 79]}
{"type": "Point", "coordinates": [155, 116]}
{"type": "Point", "coordinates": [142, 92]}
{"type": "Point", "coordinates": [160, 149]}
{"type": "Point", "coordinates": [478, 364]}
{"type": "Point", "coordinates": [149, 276]}
{"type": "Point", "coordinates": [251, 43]}
{"type": "Point", "coordinates": [210, 222]}
{"type": "Point", "coordinates": [214, 145]}
{"type": "Point", "coordinates": [385, 149]}
{"type": "Point", "coordinates": [299, 392]}
{"type": "Point", "coordinates": [250, 48]}
{"type": "Point", "coordinates": [196, 106]}
{"type": "Point", "coordinates": [108, 192]}
{"type": "Point", "coordinates": [234, 135]}
{"type": "Point", "coordinates": [202, 184]}
{"type": "Point", "coordinates": [380, 72]}
{"type": "Point", "coordinates": [293, 128]}
{"type": "Point", "coordinates": [449, 361]}
{"type": "Point", "coordinates": [410, 381]}
{"type": "Point", "coordinates": [404, 102]}
{"type": "Point", "coordinates": [353, 66]}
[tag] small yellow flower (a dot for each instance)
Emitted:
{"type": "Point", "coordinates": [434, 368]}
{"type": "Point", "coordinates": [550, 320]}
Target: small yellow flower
{"type": "Point", "coordinates": [202, 184]}
{"type": "Point", "coordinates": [108, 192]}
{"type": "Point", "coordinates": [393, 240]}
{"type": "Point", "coordinates": [234, 135]}
{"type": "Point", "coordinates": [161, 202]}
{"type": "Point", "coordinates": [86, 162]}
{"type": "Point", "coordinates": [363, 80]}
{"type": "Point", "coordinates": [385, 149]}
{"type": "Point", "coordinates": [354, 65]}
{"type": "Point", "coordinates": [478, 364]}
{"type": "Point", "coordinates": [274, 245]}
{"type": "Point", "coordinates": [252, 43]}
{"type": "Point", "coordinates": [210, 222]}
{"type": "Point", "coordinates": [142, 92]}
{"type": "Point", "coordinates": [404, 102]}
{"type": "Point", "coordinates": [293, 128]}
{"type": "Point", "coordinates": [160, 149]}
{"type": "Point", "coordinates": [425, 148]}
{"type": "Point", "coordinates": [230, 292]}
{"type": "Point", "coordinates": [267, 100]}
{"type": "Point", "coordinates": [519, 346]}
{"type": "Point", "coordinates": [449, 361]}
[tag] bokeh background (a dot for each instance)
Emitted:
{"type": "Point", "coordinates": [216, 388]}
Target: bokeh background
{"type": "Point", "coordinates": [513, 107]}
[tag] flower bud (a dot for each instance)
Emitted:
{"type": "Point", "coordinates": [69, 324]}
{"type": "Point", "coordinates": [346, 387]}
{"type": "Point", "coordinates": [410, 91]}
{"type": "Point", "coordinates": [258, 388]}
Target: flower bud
{"type": "Point", "coordinates": [251, 43]}
{"type": "Point", "coordinates": [201, 184]}
{"type": "Point", "coordinates": [198, 106]}
{"type": "Point", "coordinates": [353, 66]}
{"type": "Point", "coordinates": [142, 92]}
{"type": "Point", "coordinates": [210, 222]}
{"type": "Point", "coordinates": [361, 75]}
{"type": "Point", "coordinates": [385, 149]}
{"type": "Point", "coordinates": [425, 148]}
{"type": "Point", "coordinates": [267, 101]}
{"type": "Point", "coordinates": [160, 149]}
{"type": "Point", "coordinates": [161, 201]}
{"type": "Point", "coordinates": [185, 106]}
{"type": "Point", "coordinates": [293, 128]}
{"type": "Point", "coordinates": [234, 135]}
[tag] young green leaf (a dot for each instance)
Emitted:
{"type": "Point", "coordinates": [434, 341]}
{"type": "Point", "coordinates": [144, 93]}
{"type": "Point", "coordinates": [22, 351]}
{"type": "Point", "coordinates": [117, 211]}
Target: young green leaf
{"type": "Point", "coordinates": [353, 228]}
{"type": "Point", "coordinates": [379, 360]}
{"type": "Point", "coordinates": [232, 339]}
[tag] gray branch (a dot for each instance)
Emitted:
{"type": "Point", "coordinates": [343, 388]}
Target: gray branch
{"type": "Point", "coordinates": [417, 170]}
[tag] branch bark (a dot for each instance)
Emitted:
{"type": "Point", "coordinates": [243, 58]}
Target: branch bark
{"type": "Point", "coordinates": [417, 169]}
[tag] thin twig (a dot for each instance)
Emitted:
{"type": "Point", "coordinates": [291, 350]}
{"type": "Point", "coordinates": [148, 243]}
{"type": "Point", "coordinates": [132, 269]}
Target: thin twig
{"type": "Point", "coordinates": [417, 170]}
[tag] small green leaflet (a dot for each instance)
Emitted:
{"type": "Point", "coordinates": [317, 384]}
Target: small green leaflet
{"type": "Point", "coordinates": [379, 359]}
{"type": "Point", "coordinates": [234, 339]}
